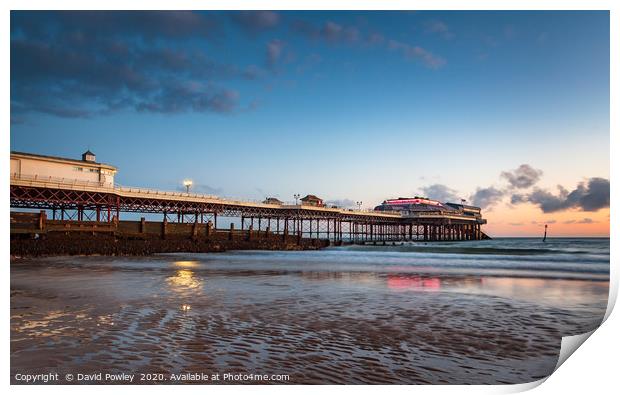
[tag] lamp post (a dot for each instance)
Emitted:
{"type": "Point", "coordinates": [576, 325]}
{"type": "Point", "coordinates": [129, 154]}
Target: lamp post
{"type": "Point", "coordinates": [187, 184]}
{"type": "Point", "coordinates": [359, 205]}
{"type": "Point", "coordinates": [296, 196]}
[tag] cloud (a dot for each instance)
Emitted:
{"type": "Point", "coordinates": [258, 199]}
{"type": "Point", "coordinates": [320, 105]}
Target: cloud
{"type": "Point", "coordinates": [333, 32]}
{"type": "Point", "coordinates": [375, 39]}
{"type": "Point", "coordinates": [441, 192]}
{"type": "Point", "coordinates": [62, 65]}
{"type": "Point", "coordinates": [518, 198]}
{"type": "Point", "coordinates": [549, 222]}
{"type": "Point", "coordinates": [343, 203]}
{"type": "Point", "coordinates": [588, 196]}
{"type": "Point", "coordinates": [274, 52]}
{"type": "Point", "coordinates": [524, 176]}
{"type": "Point", "coordinates": [81, 25]}
{"type": "Point", "coordinates": [330, 31]}
{"type": "Point", "coordinates": [440, 28]}
{"type": "Point", "coordinates": [253, 22]}
{"type": "Point", "coordinates": [417, 53]}
{"type": "Point", "coordinates": [509, 31]}
{"type": "Point", "coordinates": [515, 223]}
{"type": "Point", "coordinates": [309, 62]}
{"type": "Point", "coordinates": [486, 197]}
{"type": "Point", "coordinates": [182, 96]}
{"type": "Point", "coordinates": [252, 72]}
{"type": "Point", "coordinates": [581, 221]}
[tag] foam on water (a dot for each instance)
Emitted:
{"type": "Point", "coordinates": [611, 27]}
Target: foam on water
{"type": "Point", "coordinates": [586, 259]}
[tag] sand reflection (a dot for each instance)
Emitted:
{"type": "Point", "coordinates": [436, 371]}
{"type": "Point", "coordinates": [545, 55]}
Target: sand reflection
{"type": "Point", "coordinates": [407, 282]}
{"type": "Point", "coordinates": [186, 264]}
{"type": "Point", "coordinates": [183, 281]}
{"type": "Point", "coordinates": [560, 293]}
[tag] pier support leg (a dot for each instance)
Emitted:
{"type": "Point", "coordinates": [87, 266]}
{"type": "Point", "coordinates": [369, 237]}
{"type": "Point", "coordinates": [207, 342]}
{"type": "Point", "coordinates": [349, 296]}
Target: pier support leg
{"type": "Point", "coordinates": [328, 223]}
{"type": "Point", "coordinates": [42, 219]}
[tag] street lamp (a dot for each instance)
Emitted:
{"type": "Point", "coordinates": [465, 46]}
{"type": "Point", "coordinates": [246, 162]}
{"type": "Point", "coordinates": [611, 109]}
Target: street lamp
{"type": "Point", "coordinates": [359, 205]}
{"type": "Point", "coordinates": [296, 196]}
{"type": "Point", "coordinates": [187, 184]}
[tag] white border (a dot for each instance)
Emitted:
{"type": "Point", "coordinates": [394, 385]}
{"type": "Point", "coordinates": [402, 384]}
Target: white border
{"type": "Point", "coordinates": [592, 369]}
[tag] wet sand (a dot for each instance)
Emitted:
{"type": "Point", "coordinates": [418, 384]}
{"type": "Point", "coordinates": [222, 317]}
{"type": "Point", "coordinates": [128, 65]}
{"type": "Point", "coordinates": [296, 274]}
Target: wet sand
{"type": "Point", "coordinates": [187, 314]}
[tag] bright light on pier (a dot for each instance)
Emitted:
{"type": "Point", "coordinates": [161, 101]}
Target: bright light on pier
{"type": "Point", "coordinates": [188, 184]}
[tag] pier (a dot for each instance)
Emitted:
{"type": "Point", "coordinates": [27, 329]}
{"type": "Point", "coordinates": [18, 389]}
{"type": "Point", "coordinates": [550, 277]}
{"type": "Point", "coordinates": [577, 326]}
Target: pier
{"type": "Point", "coordinates": [75, 195]}
{"type": "Point", "coordinates": [96, 204]}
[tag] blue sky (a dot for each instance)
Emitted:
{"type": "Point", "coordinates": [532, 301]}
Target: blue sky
{"type": "Point", "coordinates": [345, 105]}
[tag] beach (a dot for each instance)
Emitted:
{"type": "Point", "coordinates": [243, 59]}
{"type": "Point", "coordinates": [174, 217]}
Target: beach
{"type": "Point", "coordinates": [483, 312]}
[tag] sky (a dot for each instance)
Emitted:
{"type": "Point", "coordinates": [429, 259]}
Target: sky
{"type": "Point", "coordinates": [508, 110]}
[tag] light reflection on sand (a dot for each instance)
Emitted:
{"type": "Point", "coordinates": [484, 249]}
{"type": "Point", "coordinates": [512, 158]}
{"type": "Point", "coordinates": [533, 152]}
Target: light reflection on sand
{"type": "Point", "coordinates": [153, 314]}
{"type": "Point", "coordinates": [187, 264]}
{"type": "Point", "coordinates": [404, 282]}
{"type": "Point", "coordinates": [184, 280]}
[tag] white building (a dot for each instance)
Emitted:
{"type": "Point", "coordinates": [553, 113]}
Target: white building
{"type": "Point", "coordinates": [53, 168]}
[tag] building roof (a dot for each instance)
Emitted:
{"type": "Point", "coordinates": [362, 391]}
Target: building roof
{"type": "Point", "coordinates": [88, 153]}
{"type": "Point", "coordinates": [61, 159]}
{"type": "Point", "coordinates": [311, 197]}
{"type": "Point", "coordinates": [467, 206]}
{"type": "Point", "coordinates": [272, 200]}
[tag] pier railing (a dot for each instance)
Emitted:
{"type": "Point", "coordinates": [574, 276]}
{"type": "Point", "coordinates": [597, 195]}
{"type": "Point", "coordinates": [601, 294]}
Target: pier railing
{"type": "Point", "coordinates": [59, 182]}
{"type": "Point", "coordinates": [126, 191]}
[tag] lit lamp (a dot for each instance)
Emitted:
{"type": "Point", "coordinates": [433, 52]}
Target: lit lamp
{"type": "Point", "coordinates": [187, 184]}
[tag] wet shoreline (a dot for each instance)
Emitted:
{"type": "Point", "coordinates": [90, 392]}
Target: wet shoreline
{"type": "Point", "coordinates": [223, 313]}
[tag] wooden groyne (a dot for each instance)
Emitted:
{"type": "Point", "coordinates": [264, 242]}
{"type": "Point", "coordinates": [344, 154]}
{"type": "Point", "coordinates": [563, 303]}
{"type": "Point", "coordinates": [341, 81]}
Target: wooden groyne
{"type": "Point", "coordinates": [32, 234]}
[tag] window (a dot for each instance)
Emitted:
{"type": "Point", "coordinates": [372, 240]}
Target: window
{"type": "Point", "coordinates": [94, 170]}
{"type": "Point", "coordinates": [78, 168]}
